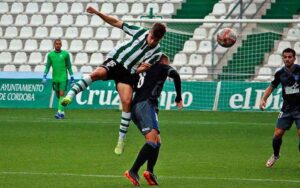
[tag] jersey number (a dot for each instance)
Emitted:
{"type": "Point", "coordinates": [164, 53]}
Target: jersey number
{"type": "Point", "coordinates": [141, 80]}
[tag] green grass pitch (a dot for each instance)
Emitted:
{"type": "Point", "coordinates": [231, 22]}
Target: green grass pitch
{"type": "Point", "coordinates": [199, 149]}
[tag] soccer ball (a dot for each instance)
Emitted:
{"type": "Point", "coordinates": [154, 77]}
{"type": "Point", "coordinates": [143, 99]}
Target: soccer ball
{"type": "Point", "coordinates": [226, 37]}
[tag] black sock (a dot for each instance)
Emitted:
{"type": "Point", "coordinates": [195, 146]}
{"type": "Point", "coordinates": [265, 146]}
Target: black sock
{"type": "Point", "coordinates": [153, 158]}
{"type": "Point", "coordinates": [299, 146]}
{"type": "Point", "coordinates": [143, 155]}
{"type": "Point", "coordinates": [276, 146]}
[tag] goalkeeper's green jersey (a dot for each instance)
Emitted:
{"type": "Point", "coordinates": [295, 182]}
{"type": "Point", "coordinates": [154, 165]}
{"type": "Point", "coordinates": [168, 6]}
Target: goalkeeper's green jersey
{"type": "Point", "coordinates": [60, 62]}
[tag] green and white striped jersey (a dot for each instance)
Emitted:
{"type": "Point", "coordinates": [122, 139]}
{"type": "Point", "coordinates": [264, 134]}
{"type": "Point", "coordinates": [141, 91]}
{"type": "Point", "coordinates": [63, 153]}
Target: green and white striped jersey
{"type": "Point", "coordinates": [135, 51]}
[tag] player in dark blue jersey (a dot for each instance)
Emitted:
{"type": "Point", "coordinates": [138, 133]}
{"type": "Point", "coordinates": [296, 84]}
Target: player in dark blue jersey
{"type": "Point", "coordinates": [289, 78]}
{"type": "Point", "coordinates": [144, 114]}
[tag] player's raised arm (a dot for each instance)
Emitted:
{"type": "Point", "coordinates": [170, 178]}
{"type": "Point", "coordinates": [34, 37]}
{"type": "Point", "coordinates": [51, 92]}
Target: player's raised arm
{"type": "Point", "coordinates": [107, 18]}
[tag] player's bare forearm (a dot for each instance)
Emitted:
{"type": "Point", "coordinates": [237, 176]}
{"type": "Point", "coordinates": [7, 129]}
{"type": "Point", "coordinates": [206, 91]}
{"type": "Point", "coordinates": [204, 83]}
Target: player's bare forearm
{"type": "Point", "coordinates": [266, 95]}
{"type": "Point", "coordinates": [143, 67]}
{"type": "Point", "coordinates": [107, 18]}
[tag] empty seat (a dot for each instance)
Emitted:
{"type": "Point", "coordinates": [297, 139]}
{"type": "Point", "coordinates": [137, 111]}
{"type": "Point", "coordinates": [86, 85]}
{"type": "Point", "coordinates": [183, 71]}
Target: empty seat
{"type": "Point", "coordinates": [21, 20]}
{"type": "Point", "coordinates": [46, 8]}
{"type": "Point", "coordinates": [51, 20]}
{"type": "Point", "coordinates": [30, 45]}
{"type": "Point", "coordinates": [96, 21]}
{"type": "Point", "coordinates": [20, 58]}
{"type": "Point", "coordinates": [107, 8]}
{"type": "Point", "coordinates": [91, 46]}
{"type": "Point", "coordinates": [274, 60]}
{"type": "Point", "coordinates": [17, 8]}
{"type": "Point", "coordinates": [9, 68]}
{"type": "Point", "coordinates": [56, 32]}
{"type": "Point", "coordinates": [199, 34]}
{"type": "Point", "coordinates": [71, 32]}
{"type": "Point", "coordinates": [65, 46]}
{"type": "Point", "coordinates": [39, 68]}
{"type": "Point", "coordinates": [201, 73]}
{"type": "Point", "coordinates": [6, 19]}
{"type": "Point", "coordinates": [154, 7]}
{"type": "Point", "coordinates": [220, 49]}
{"type": "Point", "coordinates": [283, 45]}
{"type": "Point", "coordinates": [81, 59]}
{"type": "Point", "coordinates": [86, 33]}
{"type": "Point", "coordinates": [179, 60]}
{"type": "Point", "coordinates": [11, 32]}
{"type": "Point", "coordinates": [137, 9]}
{"type": "Point", "coordinates": [96, 59]}
{"type": "Point", "coordinates": [31, 8]}
{"type": "Point", "coordinates": [293, 34]}
{"type": "Point", "coordinates": [167, 9]}
{"type": "Point", "coordinates": [24, 68]}
{"type": "Point", "coordinates": [81, 20]}
{"type": "Point", "coordinates": [1, 32]}
{"type": "Point", "coordinates": [186, 72]}
{"type": "Point", "coordinates": [36, 20]}
{"type": "Point", "coordinates": [297, 47]}
{"type": "Point", "coordinates": [41, 32]}
{"type": "Point", "coordinates": [219, 9]}
{"type": "Point", "coordinates": [116, 33]}
{"type": "Point", "coordinates": [5, 58]}
{"type": "Point", "coordinates": [106, 46]}
{"type": "Point", "coordinates": [251, 10]}
{"type": "Point", "coordinates": [4, 7]}
{"type": "Point", "coordinates": [205, 46]}
{"type": "Point", "coordinates": [35, 58]}
{"type": "Point", "coordinates": [208, 60]}
{"type": "Point", "coordinates": [62, 8]}
{"type": "Point", "coordinates": [93, 4]}
{"type": "Point", "coordinates": [3, 44]}
{"type": "Point", "coordinates": [46, 45]}
{"type": "Point", "coordinates": [190, 46]}
{"type": "Point", "coordinates": [236, 11]}
{"type": "Point", "coordinates": [66, 20]}
{"type": "Point", "coordinates": [209, 17]}
{"type": "Point", "coordinates": [76, 8]}
{"type": "Point", "coordinates": [76, 45]}
{"type": "Point", "coordinates": [264, 73]}
{"type": "Point", "coordinates": [195, 60]}
{"type": "Point", "coordinates": [122, 8]}
{"type": "Point", "coordinates": [15, 45]}
{"type": "Point", "coordinates": [102, 33]}
{"type": "Point", "coordinates": [86, 69]}
{"type": "Point", "coordinates": [26, 32]}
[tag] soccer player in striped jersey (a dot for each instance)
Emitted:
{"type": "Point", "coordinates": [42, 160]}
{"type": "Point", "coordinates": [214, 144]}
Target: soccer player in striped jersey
{"type": "Point", "coordinates": [143, 49]}
{"type": "Point", "coordinates": [60, 62]}
{"type": "Point", "coordinates": [144, 114]}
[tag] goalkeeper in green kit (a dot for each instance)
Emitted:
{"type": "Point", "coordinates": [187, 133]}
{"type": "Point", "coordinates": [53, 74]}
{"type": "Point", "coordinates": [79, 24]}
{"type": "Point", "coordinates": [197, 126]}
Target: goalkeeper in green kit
{"type": "Point", "coordinates": [60, 62]}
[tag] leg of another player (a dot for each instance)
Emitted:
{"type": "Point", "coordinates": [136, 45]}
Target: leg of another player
{"type": "Point", "coordinates": [61, 109]}
{"type": "Point", "coordinates": [276, 143]}
{"type": "Point", "coordinates": [125, 93]}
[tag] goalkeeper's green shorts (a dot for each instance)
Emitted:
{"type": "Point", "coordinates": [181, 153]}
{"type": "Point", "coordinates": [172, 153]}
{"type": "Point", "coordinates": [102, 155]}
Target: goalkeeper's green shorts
{"type": "Point", "coordinates": [60, 86]}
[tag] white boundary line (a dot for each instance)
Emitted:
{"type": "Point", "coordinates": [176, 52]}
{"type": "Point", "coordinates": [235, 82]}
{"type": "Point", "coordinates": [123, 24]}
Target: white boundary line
{"type": "Point", "coordinates": [161, 177]}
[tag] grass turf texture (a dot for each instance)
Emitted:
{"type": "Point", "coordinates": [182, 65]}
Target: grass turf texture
{"type": "Point", "coordinates": [200, 149]}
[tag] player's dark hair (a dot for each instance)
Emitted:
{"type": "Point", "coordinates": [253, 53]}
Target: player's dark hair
{"type": "Point", "coordinates": [158, 30]}
{"type": "Point", "coordinates": [289, 50]}
{"type": "Point", "coordinates": [58, 39]}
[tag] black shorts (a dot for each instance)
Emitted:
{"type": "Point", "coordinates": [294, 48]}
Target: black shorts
{"type": "Point", "coordinates": [285, 120]}
{"type": "Point", "coordinates": [117, 72]}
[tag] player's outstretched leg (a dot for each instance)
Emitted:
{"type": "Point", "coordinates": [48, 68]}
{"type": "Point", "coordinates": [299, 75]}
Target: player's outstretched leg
{"type": "Point", "coordinates": [124, 125]}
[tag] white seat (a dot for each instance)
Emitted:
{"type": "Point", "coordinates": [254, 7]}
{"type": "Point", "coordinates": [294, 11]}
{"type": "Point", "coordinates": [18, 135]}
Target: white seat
{"type": "Point", "coordinates": [86, 69]}
{"type": "Point", "coordinates": [81, 59]}
{"type": "Point", "coordinates": [41, 32]}
{"type": "Point", "coordinates": [56, 32]}
{"type": "Point", "coordinates": [26, 32]}
{"type": "Point", "coordinates": [220, 49]}
{"type": "Point", "coordinates": [86, 33]}
{"type": "Point", "coordinates": [96, 59]}
{"type": "Point", "coordinates": [205, 46]}
{"type": "Point", "coordinates": [274, 60]}
{"type": "Point", "coordinates": [1, 32]}
{"type": "Point", "coordinates": [36, 20]}
{"type": "Point", "coordinates": [208, 60]}
{"type": "Point", "coordinates": [106, 46]}
{"type": "Point", "coordinates": [195, 60]}
{"type": "Point", "coordinates": [264, 73]}
{"type": "Point", "coordinates": [116, 33]}
{"type": "Point", "coordinates": [76, 46]}
{"type": "Point", "coordinates": [91, 46]}
{"type": "Point", "coordinates": [179, 59]}
{"type": "Point", "coordinates": [94, 5]}
{"type": "Point", "coordinates": [51, 20]}
{"type": "Point", "coordinates": [46, 45]}
{"type": "Point", "coordinates": [71, 32]}
{"type": "Point", "coordinates": [39, 68]}
{"type": "Point", "coordinates": [107, 8]}
{"type": "Point", "coordinates": [6, 19]}
{"type": "Point", "coordinates": [154, 6]}
{"type": "Point", "coordinates": [30, 45]}
{"type": "Point", "coordinates": [24, 68]}
{"type": "Point", "coordinates": [46, 8]}
{"type": "Point", "coordinates": [21, 20]}
{"type": "Point", "coordinates": [32, 8]}
{"type": "Point", "coordinates": [201, 73]}
{"type": "Point", "coordinates": [122, 9]}
{"type": "Point", "coordinates": [293, 34]}
{"type": "Point", "coordinates": [20, 58]}
{"type": "Point", "coordinates": [15, 45]}
{"type": "Point", "coordinates": [9, 68]}
{"type": "Point", "coordinates": [74, 68]}
{"type": "Point", "coordinates": [81, 20]}
{"type": "Point", "coordinates": [219, 9]}
{"type": "Point", "coordinates": [5, 58]}
{"type": "Point", "coordinates": [66, 20]}
{"type": "Point", "coordinates": [17, 8]}
{"type": "Point", "coordinates": [209, 17]}
{"type": "Point", "coordinates": [189, 46]}
{"type": "Point", "coordinates": [102, 33]}
{"type": "Point", "coordinates": [3, 44]}
{"type": "Point", "coordinates": [283, 45]}
{"type": "Point", "coordinates": [251, 10]}
{"type": "Point", "coordinates": [167, 9]}
{"type": "Point", "coordinates": [199, 33]}
{"type": "Point", "coordinates": [297, 47]}
{"type": "Point", "coordinates": [11, 32]}
{"type": "Point", "coordinates": [4, 7]}
{"type": "Point", "coordinates": [211, 33]}
{"type": "Point", "coordinates": [65, 46]}
{"type": "Point", "coordinates": [186, 72]}
{"type": "Point", "coordinates": [35, 58]}
{"type": "Point", "coordinates": [236, 11]}
{"type": "Point", "coordinates": [76, 8]}
{"type": "Point", "coordinates": [137, 9]}
{"type": "Point", "coordinates": [61, 8]}
{"type": "Point", "coordinates": [96, 21]}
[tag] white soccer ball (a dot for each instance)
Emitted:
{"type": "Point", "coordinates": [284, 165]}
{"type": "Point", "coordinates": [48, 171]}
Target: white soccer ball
{"type": "Point", "coordinates": [226, 37]}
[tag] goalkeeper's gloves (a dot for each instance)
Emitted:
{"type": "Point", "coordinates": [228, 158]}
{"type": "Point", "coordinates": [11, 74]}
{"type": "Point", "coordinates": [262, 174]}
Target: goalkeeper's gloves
{"type": "Point", "coordinates": [72, 81]}
{"type": "Point", "coordinates": [44, 80]}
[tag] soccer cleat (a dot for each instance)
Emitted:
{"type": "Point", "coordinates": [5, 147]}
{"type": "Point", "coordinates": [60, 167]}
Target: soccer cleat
{"type": "Point", "coordinates": [134, 178]}
{"type": "Point", "coordinates": [59, 115]}
{"type": "Point", "coordinates": [120, 147]}
{"type": "Point", "coordinates": [66, 101]}
{"type": "Point", "coordinates": [271, 161]}
{"type": "Point", "coordinates": [151, 178]}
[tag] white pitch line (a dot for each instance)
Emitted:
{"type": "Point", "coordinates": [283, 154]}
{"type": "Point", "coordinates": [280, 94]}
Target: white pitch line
{"type": "Point", "coordinates": [161, 177]}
